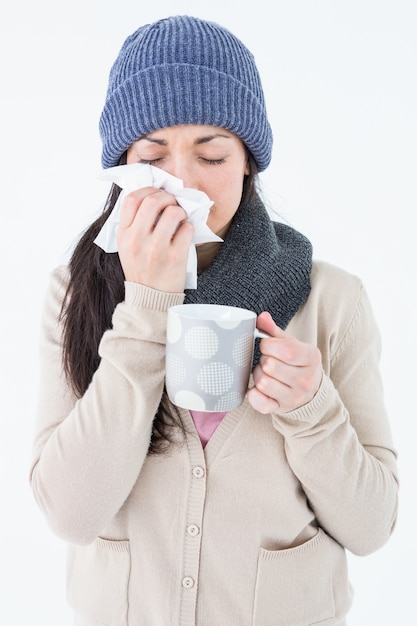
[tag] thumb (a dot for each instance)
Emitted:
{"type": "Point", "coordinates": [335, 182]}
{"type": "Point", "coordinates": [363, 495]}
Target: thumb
{"type": "Point", "coordinates": [266, 324]}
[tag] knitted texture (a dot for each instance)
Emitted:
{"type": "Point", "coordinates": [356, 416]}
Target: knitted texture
{"type": "Point", "coordinates": [183, 70]}
{"type": "Point", "coordinates": [261, 266]}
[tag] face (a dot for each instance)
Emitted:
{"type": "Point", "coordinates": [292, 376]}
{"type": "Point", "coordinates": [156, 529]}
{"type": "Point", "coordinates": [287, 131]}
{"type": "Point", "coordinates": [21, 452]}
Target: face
{"type": "Point", "coordinates": [206, 158]}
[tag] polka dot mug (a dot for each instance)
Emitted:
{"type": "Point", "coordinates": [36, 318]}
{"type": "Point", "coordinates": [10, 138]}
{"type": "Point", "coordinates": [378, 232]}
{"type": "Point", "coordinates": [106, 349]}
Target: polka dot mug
{"type": "Point", "coordinates": [209, 354]}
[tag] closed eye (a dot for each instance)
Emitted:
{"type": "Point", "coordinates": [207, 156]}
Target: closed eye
{"type": "Point", "coordinates": [213, 161]}
{"type": "Point", "coordinates": [150, 161]}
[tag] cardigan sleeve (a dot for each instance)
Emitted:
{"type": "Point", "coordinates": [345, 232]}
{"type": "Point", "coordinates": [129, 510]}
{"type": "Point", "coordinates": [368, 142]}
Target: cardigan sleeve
{"type": "Point", "coordinates": [88, 452]}
{"type": "Point", "coordinates": [339, 445]}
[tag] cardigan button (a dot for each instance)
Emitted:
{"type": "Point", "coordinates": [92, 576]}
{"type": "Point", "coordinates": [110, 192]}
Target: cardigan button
{"type": "Point", "coordinates": [188, 582]}
{"type": "Point", "coordinates": [193, 530]}
{"type": "Point", "coordinates": [198, 472]}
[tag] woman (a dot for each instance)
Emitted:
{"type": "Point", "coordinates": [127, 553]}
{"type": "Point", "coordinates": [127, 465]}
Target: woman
{"type": "Point", "coordinates": [178, 518]}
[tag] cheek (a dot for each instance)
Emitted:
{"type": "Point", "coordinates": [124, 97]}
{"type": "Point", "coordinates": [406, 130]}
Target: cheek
{"type": "Point", "coordinates": [225, 188]}
{"type": "Point", "coordinates": [226, 198]}
{"type": "Point", "coordinates": [226, 195]}
{"type": "Point", "coordinates": [130, 156]}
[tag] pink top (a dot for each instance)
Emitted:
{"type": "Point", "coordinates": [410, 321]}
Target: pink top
{"type": "Point", "coordinates": [206, 423]}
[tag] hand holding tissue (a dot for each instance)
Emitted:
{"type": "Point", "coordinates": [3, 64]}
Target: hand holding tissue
{"type": "Point", "coordinates": [195, 203]}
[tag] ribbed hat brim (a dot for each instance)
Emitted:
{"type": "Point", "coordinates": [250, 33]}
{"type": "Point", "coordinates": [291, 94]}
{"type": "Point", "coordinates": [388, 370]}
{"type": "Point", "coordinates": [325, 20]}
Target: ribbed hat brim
{"type": "Point", "coordinates": [147, 101]}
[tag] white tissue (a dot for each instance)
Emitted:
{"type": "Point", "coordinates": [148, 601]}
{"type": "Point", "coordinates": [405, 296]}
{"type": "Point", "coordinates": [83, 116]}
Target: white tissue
{"type": "Point", "coordinates": [195, 203]}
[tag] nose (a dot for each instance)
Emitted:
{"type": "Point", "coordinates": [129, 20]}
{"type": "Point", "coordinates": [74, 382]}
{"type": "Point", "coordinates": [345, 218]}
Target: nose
{"type": "Point", "coordinates": [183, 169]}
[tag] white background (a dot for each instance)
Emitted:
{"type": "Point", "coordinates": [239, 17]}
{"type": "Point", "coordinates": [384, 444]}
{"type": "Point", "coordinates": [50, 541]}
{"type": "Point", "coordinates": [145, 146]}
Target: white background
{"type": "Point", "coordinates": [340, 83]}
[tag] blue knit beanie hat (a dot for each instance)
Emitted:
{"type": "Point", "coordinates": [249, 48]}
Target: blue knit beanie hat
{"type": "Point", "coordinates": [184, 70]}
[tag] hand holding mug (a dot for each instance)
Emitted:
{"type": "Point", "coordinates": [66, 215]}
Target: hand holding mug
{"type": "Point", "coordinates": [289, 373]}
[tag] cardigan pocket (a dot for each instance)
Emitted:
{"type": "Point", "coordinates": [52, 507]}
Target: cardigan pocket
{"type": "Point", "coordinates": [296, 586]}
{"type": "Point", "coordinates": [98, 581]}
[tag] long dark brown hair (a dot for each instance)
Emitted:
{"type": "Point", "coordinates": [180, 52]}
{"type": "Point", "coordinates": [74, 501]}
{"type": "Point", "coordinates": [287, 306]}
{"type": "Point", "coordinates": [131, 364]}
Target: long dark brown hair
{"type": "Point", "coordinates": [95, 287]}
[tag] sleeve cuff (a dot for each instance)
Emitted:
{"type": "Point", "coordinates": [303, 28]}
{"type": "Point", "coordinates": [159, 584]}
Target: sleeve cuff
{"type": "Point", "coordinates": [137, 295]}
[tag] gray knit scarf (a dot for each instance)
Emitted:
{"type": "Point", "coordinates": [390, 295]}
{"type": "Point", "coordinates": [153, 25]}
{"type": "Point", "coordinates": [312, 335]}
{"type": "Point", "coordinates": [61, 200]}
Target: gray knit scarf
{"type": "Point", "coordinates": [262, 265]}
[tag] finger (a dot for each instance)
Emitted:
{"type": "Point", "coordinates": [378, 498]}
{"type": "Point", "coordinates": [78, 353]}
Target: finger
{"type": "Point", "coordinates": [131, 204]}
{"type": "Point", "coordinates": [261, 403]}
{"type": "Point", "coordinates": [151, 208]}
{"type": "Point", "coordinates": [183, 238]}
{"type": "Point", "coordinates": [143, 207]}
{"type": "Point", "coordinates": [287, 397]}
{"type": "Point", "coordinates": [274, 386]}
{"type": "Point", "coordinates": [293, 353]}
{"type": "Point", "coordinates": [290, 350]}
{"type": "Point", "coordinates": [168, 222]}
{"type": "Point", "coordinates": [270, 395]}
{"type": "Point", "coordinates": [302, 379]}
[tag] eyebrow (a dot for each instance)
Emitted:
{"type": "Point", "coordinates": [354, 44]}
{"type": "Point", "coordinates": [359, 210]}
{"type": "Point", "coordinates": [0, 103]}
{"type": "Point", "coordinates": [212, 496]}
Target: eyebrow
{"type": "Point", "coordinates": [208, 138]}
{"type": "Point", "coordinates": [197, 142]}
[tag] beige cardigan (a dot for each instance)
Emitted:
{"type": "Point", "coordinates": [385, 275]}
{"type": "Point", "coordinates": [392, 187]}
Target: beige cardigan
{"type": "Point", "coordinates": [252, 530]}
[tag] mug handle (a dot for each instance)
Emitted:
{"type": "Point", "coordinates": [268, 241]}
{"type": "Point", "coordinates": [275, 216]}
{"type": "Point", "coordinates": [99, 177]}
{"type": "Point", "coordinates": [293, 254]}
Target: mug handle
{"type": "Point", "coordinates": [260, 335]}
